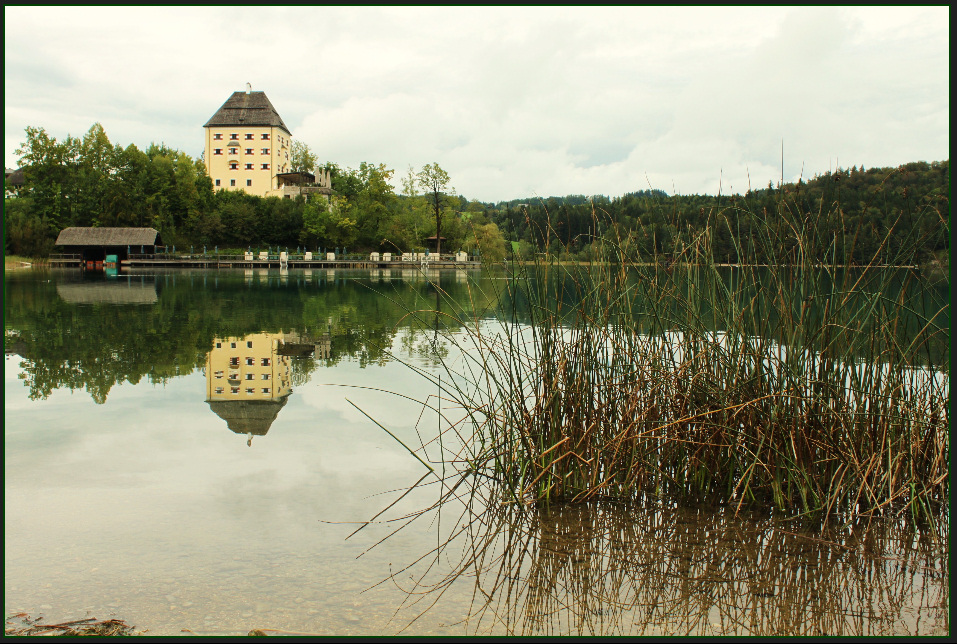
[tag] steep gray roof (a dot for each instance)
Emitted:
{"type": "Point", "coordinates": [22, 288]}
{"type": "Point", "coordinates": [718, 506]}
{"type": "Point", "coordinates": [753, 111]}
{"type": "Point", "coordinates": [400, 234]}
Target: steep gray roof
{"type": "Point", "coordinates": [77, 236]}
{"type": "Point", "coordinates": [244, 108]}
{"type": "Point", "coordinates": [13, 177]}
{"type": "Point", "coordinates": [248, 416]}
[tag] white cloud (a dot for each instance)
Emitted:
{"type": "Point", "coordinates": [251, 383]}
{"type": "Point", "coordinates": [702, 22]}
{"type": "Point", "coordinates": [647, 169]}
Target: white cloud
{"type": "Point", "coordinates": [511, 102]}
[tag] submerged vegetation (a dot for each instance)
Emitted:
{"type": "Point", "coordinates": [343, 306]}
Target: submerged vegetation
{"type": "Point", "coordinates": [804, 386]}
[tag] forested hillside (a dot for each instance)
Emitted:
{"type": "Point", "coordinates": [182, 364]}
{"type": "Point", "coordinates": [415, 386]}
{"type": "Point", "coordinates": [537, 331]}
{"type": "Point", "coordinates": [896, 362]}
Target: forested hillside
{"type": "Point", "coordinates": [89, 181]}
{"type": "Point", "coordinates": [866, 211]}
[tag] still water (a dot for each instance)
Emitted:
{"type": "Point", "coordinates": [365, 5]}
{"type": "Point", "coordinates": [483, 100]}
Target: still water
{"type": "Point", "coordinates": [192, 452]}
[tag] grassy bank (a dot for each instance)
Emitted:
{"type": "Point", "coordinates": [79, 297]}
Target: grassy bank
{"type": "Point", "coordinates": [14, 262]}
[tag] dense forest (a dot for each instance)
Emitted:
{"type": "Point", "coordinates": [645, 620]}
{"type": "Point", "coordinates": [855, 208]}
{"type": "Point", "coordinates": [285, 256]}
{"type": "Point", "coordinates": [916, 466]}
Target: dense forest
{"type": "Point", "coordinates": [892, 215]}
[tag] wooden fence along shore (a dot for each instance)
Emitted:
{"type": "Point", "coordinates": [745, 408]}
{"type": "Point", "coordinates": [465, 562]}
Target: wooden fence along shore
{"type": "Point", "coordinates": [274, 260]}
{"type": "Point", "coordinates": [266, 259]}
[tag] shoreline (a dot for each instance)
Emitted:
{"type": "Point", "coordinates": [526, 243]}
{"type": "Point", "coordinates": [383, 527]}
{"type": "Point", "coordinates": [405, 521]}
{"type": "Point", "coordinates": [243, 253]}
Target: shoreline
{"type": "Point", "coordinates": [15, 262]}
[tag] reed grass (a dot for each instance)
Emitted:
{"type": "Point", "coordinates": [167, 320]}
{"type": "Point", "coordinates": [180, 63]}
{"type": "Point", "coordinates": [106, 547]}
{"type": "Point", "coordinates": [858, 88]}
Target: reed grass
{"type": "Point", "coordinates": [600, 568]}
{"type": "Point", "coordinates": [805, 385]}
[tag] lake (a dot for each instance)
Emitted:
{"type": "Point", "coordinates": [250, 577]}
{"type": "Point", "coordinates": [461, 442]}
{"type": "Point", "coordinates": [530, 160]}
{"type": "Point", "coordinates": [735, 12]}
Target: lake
{"type": "Point", "coordinates": [196, 452]}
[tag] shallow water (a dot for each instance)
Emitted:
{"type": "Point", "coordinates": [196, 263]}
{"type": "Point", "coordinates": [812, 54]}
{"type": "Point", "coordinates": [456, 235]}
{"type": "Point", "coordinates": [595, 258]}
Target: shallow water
{"type": "Point", "coordinates": [133, 489]}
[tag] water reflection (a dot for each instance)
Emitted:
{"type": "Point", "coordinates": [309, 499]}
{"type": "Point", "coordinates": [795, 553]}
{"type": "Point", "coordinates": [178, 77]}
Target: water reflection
{"type": "Point", "coordinates": [250, 378]}
{"type": "Point", "coordinates": [161, 325]}
{"type": "Point", "coordinates": [121, 290]}
{"type": "Point", "coordinates": [77, 333]}
{"type": "Point", "coordinates": [172, 489]}
{"type": "Point", "coordinates": [304, 345]}
{"type": "Point", "coordinates": [248, 382]}
{"type": "Point", "coordinates": [611, 569]}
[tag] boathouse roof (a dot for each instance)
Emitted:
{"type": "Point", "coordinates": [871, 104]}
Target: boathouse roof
{"type": "Point", "coordinates": [107, 293]}
{"type": "Point", "coordinates": [102, 236]}
{"type": "Point", "coordinates": [247, 108]}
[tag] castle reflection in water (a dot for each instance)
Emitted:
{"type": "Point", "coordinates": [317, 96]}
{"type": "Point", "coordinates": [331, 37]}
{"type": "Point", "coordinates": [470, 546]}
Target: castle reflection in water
{"type": "Point", "coordinates": [249, 379]}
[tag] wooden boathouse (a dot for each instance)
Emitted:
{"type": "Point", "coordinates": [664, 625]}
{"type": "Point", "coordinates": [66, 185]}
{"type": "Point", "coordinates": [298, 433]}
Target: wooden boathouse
{"type": "Point", "coordinates": [87, 245]}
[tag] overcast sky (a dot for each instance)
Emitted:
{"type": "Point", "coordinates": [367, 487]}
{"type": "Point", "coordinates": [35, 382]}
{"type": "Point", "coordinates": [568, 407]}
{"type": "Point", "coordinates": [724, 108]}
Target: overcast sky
{"type": "Point", "coordinates": [510, 102]}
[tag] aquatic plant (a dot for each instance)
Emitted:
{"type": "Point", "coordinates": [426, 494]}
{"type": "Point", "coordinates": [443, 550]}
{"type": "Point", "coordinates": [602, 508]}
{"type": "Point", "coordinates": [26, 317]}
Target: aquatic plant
{"type": "Point", "coordinates": [21, 625]}
{"type": "Point", "coordinates": [809, 386]}
{"type": "Point", "coordinates": [608, 568]}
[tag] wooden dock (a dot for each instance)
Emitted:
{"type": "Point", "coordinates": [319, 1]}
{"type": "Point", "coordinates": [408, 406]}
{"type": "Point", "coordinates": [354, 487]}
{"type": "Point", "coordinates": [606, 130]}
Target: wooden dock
{"type": "Point", "coordinates": [224, 262]}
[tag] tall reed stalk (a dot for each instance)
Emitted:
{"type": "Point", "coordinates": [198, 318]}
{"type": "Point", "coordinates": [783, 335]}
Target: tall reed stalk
{"type": "Point", "coordinates": [652, 570]}
{"type": "Point", "coordinates": [804, 384]}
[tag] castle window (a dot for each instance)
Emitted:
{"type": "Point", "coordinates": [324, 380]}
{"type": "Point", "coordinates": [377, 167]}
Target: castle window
{"type": "Point", "coordinates": [249, 136]}
{"type": "Point", "coordinates": [250, 361]}
{"type": "Point", "coordinates": [265, 362]}
{"type": "Point", "coordinates": [249, 150]}
{"type": "Point", "coordinates": [265, 390]}
{"type": "Point", "coordinates": [234, 390]}
{"type": "Point", "coordinates": [265, 150]}
{"type": "Point", "coordinates": [233, 165]}
{"type": "Point", "coordinates": [217, 185]}
{"type": "Point", "coordinates": [265, 166]}
{"type": "Point", "coordinates": [219, 390]}
{"type": "Point", "coordinates": [218, 137]}
{"type": "Point", "coordinates": [249, 182]}
{"type": "Point", "coordinates": [250, 390]}
{"type": "Point", "coordinates": [234, 361]}
{"type": "Point", "coordinates": [233, 137]}
{"type": "Point", "coordinates": [232, 182]}
{"type": "Point", "coordinates": [265, 376]}
{"type": "Point", "coordinates": [219, 374]}
{"type": "Point", "coordinates": [265, 137]}
{"type": "Point", "coordinates": [249, 376]}
{"type": "Point", "coordinates": [218, 151]}
{"type": "Point", "coordinates": [249, 166]}
{"type": "Point", "coordinates": [249, 344]}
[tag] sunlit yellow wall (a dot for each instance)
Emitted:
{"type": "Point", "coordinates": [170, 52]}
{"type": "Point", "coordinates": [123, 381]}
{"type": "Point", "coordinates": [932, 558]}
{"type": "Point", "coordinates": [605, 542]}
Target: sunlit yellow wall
{"type": "Point", "coordinates": [262, 181]}
{"type": "Point", "coordinates": [228, 369]}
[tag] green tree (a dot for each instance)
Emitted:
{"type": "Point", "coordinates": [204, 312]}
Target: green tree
{"type": "Point", "coordinates": [346, 183]}
{"type": "Point", "coordinates": [434, 182]}
{"type": "Point", "coordinates": [489, 241]}
{"type": "Point", "coordinates": [314, 223]}
{"type": "Point", "coordinates": [47, 177]}
{"type": "Point", "coordinates": [24, 233]}
{"type": "Point", "coordinates": [302, 158]}
{"type": "Point", "coordinates": [329, 225]}
{"type": "Point", "coordinates": [410, 183]}
{"type": "Point", "coordinates": [375, 204]}
{"type": "Point", "coordinates": [238, 217]}
{"type": "Point", "coordinates": [97, 162]}
{"type": "Point", "coordinates": [279, 220]}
